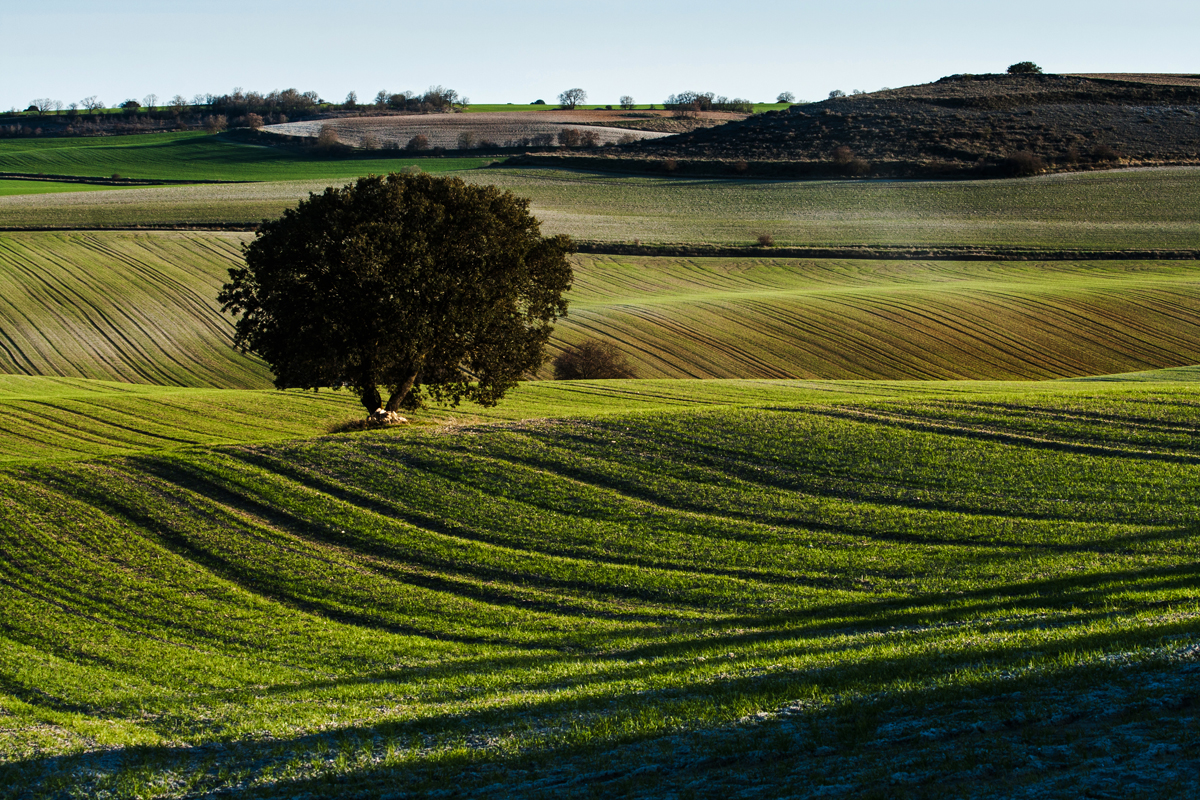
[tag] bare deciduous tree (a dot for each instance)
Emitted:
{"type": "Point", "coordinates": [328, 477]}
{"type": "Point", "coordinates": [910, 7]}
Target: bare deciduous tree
{"type": "Point", "coordinates": [150, 101]}
{"type": "Point", "coordinates": [785, 97]}
{"type": "Point", "coordinates": [351, 100]}
{"type": "Point", "coordinates": [572, 97]}
{"type": "Point", "coordinates": [591, 359]}
{"type": "Point", "coordinates": [327, 137]}
{"type": "Point", "coordinates": [626, 101]}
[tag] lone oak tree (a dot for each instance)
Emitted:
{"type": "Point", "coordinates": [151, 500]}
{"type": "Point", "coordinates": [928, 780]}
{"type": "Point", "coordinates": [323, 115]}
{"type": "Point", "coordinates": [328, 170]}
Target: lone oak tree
{"type": "Point", "coordinates": [426, 286]}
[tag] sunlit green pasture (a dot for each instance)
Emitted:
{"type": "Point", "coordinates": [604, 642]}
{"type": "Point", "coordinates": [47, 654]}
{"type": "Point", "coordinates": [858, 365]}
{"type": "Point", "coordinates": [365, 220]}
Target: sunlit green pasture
{"type": "Point", "coordinates": [49, 418]}
{"type": "Point", "coordinates": [9, 188]}
{"type": "Point", "coordinates": [199, 156]}
{"type": "Point", "coordinates": [141, 307]}
{"type": "Point", "coordinates": [1120, 210]}
{"type": "Point", "coordinates": [810, 594]}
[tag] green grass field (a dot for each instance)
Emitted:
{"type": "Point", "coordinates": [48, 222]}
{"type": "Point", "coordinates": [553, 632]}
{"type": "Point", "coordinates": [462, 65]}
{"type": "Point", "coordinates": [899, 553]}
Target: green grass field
{"type": "Point", "coordinates": [939, 587]}
{"type": "Point", "coordinates": [49, 418]}
{"type": "Point", "coordinates": [903, 587]}
{"type": "Point", "coordinates": [1121, 210]}
{"type": "Point", "coordinates": [198, 156]}
{"type": "Point", "coordinates": [131, 307]}
{"type": "Point", "coordinates": [140, 307]}
{"type": "Point", "coordinates": [8, 188]}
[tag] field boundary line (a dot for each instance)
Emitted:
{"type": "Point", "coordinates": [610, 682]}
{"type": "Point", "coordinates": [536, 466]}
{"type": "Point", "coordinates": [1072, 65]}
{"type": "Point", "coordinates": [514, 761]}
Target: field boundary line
{"type": "Point", "coordinates": [41, 176]}
{"type": "Point", "coordinates": [892, 253]}
{"type": "Point", "coordinates": [586, 247]}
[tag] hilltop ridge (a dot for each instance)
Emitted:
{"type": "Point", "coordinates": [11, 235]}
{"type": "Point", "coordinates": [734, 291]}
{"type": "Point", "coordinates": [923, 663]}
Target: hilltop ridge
{"type": "Point", "coordinates": [958, 126]}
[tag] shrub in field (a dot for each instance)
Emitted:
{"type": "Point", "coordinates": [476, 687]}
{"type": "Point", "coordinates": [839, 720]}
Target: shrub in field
{"type": "Point", "coordinates": [1103, 152]}
{"type": "Point", "coordinates": [1024, 68]}
{"type": "Point", "coordinates": [569, 137]}
{"type": "Point", "coordinates": [538, 102]}
{"type": "Point", "coordinates": [670, 164]}
{"type": "Point", "coordinates": [626, 101]}
{"type": "Point", "coordinates": [251, 120]}
{"type": "Point", "coordinates": [369, 141]}
{"type": "Point", "coordinates": [589, 139]}
{"type": "Point", "coordinates": [836, 93]}
{"type": "Point", "coordinates": [417, 143]}
{"type": "Point", "coordinates": [591, 359]}
{"type": "Point", "coordinates": [327, 138]}
{"type": "Point", "coordinates": [428, 287]}
{"type": "Point", "coordinates": [215, 123]}
{"type": "Point", "coordinates": [1022, 163]}
{"type": "Point", "coordinates": [765, 240]}
{"type": "Point", "coordinates": [466, 140]}
{"type": "Point", "coordinates": [849, 164]}
{"type": "Point", "coordinates": [627, 138]}
{"type": "Point", "coordinates": [541, 140]}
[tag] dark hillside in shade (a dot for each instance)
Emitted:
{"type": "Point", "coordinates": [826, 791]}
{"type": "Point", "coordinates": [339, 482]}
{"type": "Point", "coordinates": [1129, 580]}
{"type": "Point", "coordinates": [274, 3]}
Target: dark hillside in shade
{"type": "Point", "coordinates": [963, 125]}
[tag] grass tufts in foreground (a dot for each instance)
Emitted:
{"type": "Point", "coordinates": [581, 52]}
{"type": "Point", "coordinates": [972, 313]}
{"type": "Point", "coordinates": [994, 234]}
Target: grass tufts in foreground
{"type": "Point", "coordinates": [909, 596]}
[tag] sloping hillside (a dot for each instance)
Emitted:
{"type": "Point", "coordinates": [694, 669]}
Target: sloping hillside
{"type": "Point", "coordinates": [141, 308]}
{"type": "Point", "coordinates": [976, 125]}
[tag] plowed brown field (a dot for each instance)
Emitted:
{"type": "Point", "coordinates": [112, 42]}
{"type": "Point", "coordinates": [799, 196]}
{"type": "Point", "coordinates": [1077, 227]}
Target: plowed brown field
{"type": "Point", "coordinates": [444, 130]}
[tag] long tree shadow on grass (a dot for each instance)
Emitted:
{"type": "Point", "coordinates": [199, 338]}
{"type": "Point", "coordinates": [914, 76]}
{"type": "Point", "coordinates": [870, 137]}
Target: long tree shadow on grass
{"type": "Point", "coordinates": [557, 742]}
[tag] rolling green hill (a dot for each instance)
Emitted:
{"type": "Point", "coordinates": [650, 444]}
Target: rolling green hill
{"type": "Point", "coordinates": [775, 318]}
{"type": "Point", "coordinates": [817, 594]}
{"type": "Point", "coordinates": [1122, 210]}
{"type": "Point", "coordinates": [63, 419]}
{"type": "Point", "coordinates": [198, 156]}
{"type": "Point", "coordinates": [128, 307]}
{"type": "Point", "coordinates": [140, 307]}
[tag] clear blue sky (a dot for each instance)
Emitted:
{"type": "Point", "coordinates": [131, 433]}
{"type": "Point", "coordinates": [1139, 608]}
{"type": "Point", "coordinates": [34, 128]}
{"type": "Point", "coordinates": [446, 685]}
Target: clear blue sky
{"type": "Point", "coordinates": [496, 52]}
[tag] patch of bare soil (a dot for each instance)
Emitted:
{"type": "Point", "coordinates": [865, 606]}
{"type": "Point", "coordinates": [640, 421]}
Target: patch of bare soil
{"type": "Point", "coordinates": [465, 131]}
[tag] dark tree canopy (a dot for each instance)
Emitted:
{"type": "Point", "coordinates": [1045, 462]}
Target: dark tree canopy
{"type": "Point", "coordinates": [427, 287]}
{"type": "Point", "coordinates": [1024, 68]}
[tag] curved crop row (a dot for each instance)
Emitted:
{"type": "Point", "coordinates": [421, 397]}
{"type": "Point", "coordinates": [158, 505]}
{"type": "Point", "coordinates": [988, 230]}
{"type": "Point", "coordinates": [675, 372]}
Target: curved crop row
{"type": "Point", "coordinates": [380, 611]}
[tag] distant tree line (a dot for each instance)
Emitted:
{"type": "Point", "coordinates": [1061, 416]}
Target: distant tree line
{"type": "Point", "coordinates": [211, 112]}
{"type": "Point", "coordinates": [695, 102]}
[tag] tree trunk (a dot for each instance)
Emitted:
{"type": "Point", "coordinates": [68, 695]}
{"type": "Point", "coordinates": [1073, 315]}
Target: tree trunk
{"type": "Point", "coordinates": [401, 392]}
{"type": "Point", "coordinates": [371, 399]}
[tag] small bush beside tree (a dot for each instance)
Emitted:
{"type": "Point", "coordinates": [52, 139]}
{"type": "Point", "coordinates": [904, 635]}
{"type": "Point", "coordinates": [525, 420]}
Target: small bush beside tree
{"type": "Point", "coordinates": [591, 359]}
